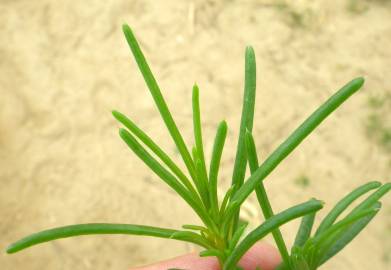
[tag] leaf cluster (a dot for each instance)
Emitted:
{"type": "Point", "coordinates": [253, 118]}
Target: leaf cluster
{"type": "Point", "coordinates": [222, 234]}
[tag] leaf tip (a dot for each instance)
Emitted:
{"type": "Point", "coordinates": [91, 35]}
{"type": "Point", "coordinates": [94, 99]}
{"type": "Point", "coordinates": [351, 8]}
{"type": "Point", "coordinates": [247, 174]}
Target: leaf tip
{"type": "Point", "coordinates": [359, 81]}
{"type": "Point", "coordinates": [196, 91]}
{"type": "Point", "coordinates": [385, 188]}
{"type": "Point", "coordinates": [115, 113]}
{"type": "Point", "coordinates": [123, 133]}
{"type": "Point", "coordinates": [375, 184]}
{"type": "Point", "coordinates": [249, 51]}
{"type": "Point", "coordinates": [223, 125]}
{"type": "Point", "coordinates": [387, 185]}
{"type": "Point", "coordinates": [11, 249]}
{"type": "Point", "coordinates": [320, 203]}
{"type": "Point", "coordinates": [126, 28]}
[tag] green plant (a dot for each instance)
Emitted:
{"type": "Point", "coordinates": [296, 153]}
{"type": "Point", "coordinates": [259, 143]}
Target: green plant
{"type": "Point", "coordinates": [222, 234]}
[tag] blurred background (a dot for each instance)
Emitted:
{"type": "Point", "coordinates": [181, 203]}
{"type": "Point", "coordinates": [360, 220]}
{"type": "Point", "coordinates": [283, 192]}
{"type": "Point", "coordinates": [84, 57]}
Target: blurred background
{"type": "Point", "coordinates": [64, 65]}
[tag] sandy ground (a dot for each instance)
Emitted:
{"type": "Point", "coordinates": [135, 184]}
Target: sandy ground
{"type": "Point", "coordinates": [64, 65]}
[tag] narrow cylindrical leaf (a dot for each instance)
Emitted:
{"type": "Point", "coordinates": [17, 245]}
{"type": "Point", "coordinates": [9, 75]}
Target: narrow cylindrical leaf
{"type": "Point", "coordinates": [165, 175]}
{"type": "Point", "coordinates": [198, 129]}
{"type": "Point", "coordinates": [294, 140]}
{"type": "Point", "coordinates": [246, 123]}
{"type": "Point", "coordinates": [194, 227]}
{"type": "Point", "coordinates": [203, 183]}
{"type": "Point", "coordinates": [251, 152]}
{"type": "Point", "coordinates": [225, 201]}
{"type": "Point", "coordinates": [346, 222]}
{"type": "Point", "coordinates": [237, 235]}
{"type": "Point", "coordinates": [142, 136]}
{"type": "Point", "coordinates": [268, 226]}
{"type": "Point", "coordinates": [215, 164]}
{"type": "Point", "coordinates": [262, 197]}
{"type": "Point", "coordinates": [87, 229]}
{"type": "Point", "coordinates": [345, 237]}
{"type": "Point", "coordinates": [305, 229]}
{"type": "Point", "coordinates": [199, 180]}
{"type": "Point", "coordinates": [212, 253]}
{"type": "Point", "coordinates": [372, 199]}
{"type": "Point", "coordinates": [324, 240]}
{"type": "Point", "coordinates": [343, 204]}
{"type": "Point", "coordinates": [158, 98]}
{"type": "Point", "coordinates": [191, 237]}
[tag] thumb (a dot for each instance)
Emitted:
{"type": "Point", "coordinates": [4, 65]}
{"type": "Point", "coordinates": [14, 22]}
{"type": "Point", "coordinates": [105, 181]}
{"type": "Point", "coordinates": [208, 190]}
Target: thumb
{"type": "Point", "coordinates": [260, 255]}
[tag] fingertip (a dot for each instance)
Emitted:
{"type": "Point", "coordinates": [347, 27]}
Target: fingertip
{"type": "Point", "coordinates": [261, 255]}
{"type": "Point", "coordinates": [190, 261]}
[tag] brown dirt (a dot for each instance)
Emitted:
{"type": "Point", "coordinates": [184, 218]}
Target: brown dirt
{"type": "Point", "coordinates": [64, 65]}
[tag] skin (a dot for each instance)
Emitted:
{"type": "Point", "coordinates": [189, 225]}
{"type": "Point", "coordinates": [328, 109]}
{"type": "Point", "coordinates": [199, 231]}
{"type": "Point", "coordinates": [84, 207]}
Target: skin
{"type": "Point", "coordinates": [263, 255]}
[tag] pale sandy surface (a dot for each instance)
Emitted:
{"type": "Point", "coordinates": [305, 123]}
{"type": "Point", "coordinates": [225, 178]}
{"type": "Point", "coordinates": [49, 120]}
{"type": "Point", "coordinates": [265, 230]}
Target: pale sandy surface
{"type": "Point", "coordinates": [65, 64]}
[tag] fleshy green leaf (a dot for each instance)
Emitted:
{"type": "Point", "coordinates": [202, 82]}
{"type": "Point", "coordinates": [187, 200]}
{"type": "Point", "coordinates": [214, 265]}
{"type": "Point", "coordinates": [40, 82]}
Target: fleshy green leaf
{"type": "Point", "coordinates": [158, 98]}
{"type": "Point", "coordinates": [198, 130]}
{"type": "Point", "coordinates": [154, 148]}
{"type": "Point", "coordinates": [215, 164]}
{"type": "Point", "coordinates": [305, 229]}
{"type": "Point", "coordinates": [92, 228]}
{"type": "Point", "coordinates": [345, 237]}
{"type": "Point", "coordinates": [262, 197]}
{"type": "Point", "coordinates": [194, 227]}
{"type": "Point", "coordinates": [212, 253]}
{"type": "Point", "coordinates": [293, 141]}
{"type": "Point", "coordinates": [372, 199]}
{"type": "Point", "coordinates": [343, 204]}
{"type": "Point", "coordinates": [236, 236]}
{"type": "Point", "coordinates": [200, 181]}
{"type": "Point", "coordinates": [165, 175]}
{"type": "Point", "coordinates": [342, 225]}
{"type": "Point", "coordinates": [190, 237]}
{"type": "Point", "coordinates": [246, 123]}
{"type": "Point", "coordinates": [224, 203]}
{"type": "Point", "coordinates": [267, 227]}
